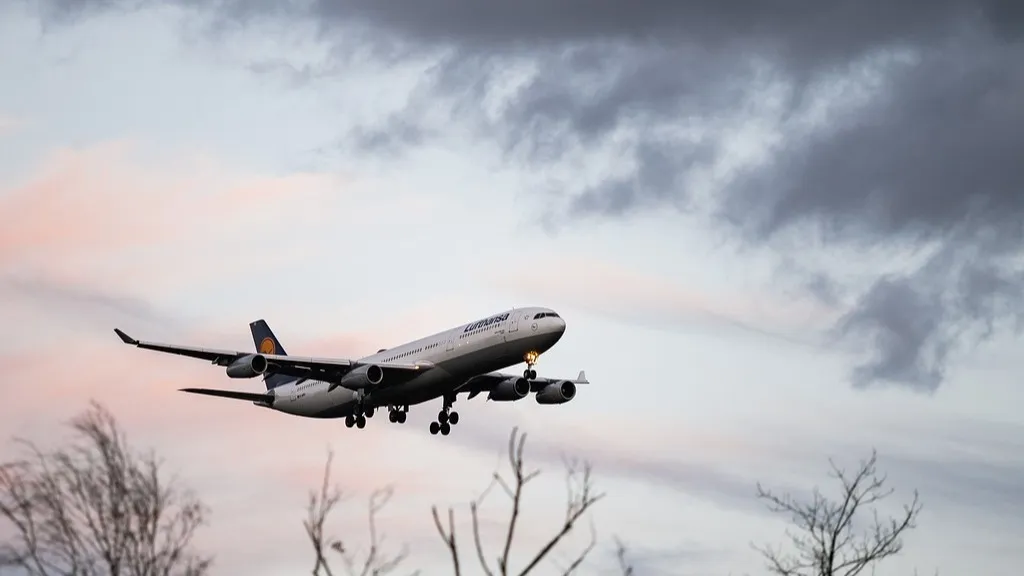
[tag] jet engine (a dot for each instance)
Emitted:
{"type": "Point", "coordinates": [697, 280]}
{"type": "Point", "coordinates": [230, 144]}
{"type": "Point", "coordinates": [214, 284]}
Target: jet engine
{"type": "Point", "coordinates": [557, 392]}
{"type": "Point", "coordinates": [249, 366]}
{"type": "Point", "coordinates": [510, 390]}
{"type": "Point", "coordinates": [363, 377]}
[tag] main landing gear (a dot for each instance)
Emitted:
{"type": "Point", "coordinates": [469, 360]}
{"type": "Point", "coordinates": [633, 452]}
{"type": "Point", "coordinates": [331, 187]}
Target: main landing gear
{"type": "Point", "coordinates": [359, 416]}
{"type": "Point", "coordinates": [445, 418]}
{"type": "Point", "coordinates": [530, 358]}
{"type": "Point", "coordinates": [398, 414]}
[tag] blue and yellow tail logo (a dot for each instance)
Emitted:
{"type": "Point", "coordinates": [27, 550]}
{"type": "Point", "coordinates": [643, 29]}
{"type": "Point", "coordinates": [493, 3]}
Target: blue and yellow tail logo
{"type": "Point", "coordinates": [267, 346]}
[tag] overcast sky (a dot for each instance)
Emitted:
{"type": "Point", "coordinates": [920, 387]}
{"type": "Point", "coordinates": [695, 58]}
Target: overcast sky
{"type": "Point", "coordinates": [778, 234]}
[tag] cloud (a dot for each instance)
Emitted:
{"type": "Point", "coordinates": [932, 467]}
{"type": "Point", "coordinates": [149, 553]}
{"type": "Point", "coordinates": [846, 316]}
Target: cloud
{"type": "Point", "coordinates": [86, 212]}
{"type": "Point", "coordinates": [971, 472]}
{"type": "Point", "coordinates": [55, 297]}
{"type": "Point", "coordinates": [616, 448]}
{"type": "Point", "coordinates": [838, 124]}
{"type": "Point", "coordinates": [885, 135]}
{"type": "Point", "coordinates": [620, 291]}
{"type": "Point", "coordinates": [885, 124]}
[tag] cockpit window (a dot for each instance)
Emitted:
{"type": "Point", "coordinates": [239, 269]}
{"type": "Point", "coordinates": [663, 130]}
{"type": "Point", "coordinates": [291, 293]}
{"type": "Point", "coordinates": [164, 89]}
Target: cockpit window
{"type": "Point", "coordinates": [545, 315]}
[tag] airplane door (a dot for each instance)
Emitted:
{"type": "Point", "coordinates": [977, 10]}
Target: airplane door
{"type": "Point", "coordinates": [451, 345]}
{"type": "Point", "coordinates": [513, 323]}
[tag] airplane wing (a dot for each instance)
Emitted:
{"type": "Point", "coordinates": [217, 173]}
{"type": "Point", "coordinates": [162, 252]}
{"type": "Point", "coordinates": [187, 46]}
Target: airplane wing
{"type": "Point", "coordinates": [487, 382]}
{"type": "Point", "coordinates": [324, 369]}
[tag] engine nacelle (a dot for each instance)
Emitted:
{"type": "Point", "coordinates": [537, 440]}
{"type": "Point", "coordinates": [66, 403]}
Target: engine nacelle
{"type": "Point", "coordinates": [249, 366]}
{"type": "Point", "coordinates": [557, 392]}
{"type": "Point", "coordinates": [510, 390]}
{"type": "Point", "coordinates": [363, 377]}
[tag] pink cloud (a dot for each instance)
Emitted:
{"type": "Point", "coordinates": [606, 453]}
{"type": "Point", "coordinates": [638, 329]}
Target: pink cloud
{"type": "Point", "coordinates": [85, 208]}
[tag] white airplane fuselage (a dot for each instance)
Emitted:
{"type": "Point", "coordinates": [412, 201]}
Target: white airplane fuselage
{"type": "Point", "coordinates": [454, 355]}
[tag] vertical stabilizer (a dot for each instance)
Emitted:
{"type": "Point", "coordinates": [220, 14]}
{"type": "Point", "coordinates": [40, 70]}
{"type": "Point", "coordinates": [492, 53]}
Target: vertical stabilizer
{"type": "Point", "coordinates": [266, 343]}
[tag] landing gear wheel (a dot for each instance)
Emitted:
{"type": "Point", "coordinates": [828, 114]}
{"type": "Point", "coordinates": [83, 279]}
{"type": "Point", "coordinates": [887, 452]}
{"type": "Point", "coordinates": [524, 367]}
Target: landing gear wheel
{"type": "Point", "coordinates": [401, 417]}
{"type": "Point", "coordinates": [368, 412]}
{"type": "Point", "coordinates": [445, 418]}
{"type": "Point", "coordinates": [350, 421]}
{"type": "Point", "coordinates": [361, 422]}
{"type": "Point", "coordinates": [392, 416]}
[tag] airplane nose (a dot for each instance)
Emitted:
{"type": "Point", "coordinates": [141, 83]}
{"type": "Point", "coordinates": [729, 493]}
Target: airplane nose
{"type": "Point", "coordinates": [560, 324]}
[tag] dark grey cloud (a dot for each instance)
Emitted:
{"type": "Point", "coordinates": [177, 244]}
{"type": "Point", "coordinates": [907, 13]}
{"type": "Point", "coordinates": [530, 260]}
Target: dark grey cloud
{"type": "Point", "coordinates": [930, 159]}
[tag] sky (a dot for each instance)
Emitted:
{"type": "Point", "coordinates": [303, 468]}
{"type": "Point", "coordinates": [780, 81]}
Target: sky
{"type": "Point", "coordinates": [778, 235]}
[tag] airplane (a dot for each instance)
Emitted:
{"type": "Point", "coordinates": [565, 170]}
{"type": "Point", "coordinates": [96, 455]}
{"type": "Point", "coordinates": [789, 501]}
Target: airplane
{"type": "Point", "coordinates": [464, 359]}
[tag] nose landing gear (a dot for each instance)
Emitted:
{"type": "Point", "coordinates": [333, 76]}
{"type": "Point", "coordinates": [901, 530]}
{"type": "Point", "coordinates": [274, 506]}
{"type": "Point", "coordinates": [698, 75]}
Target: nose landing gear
{"type": "Point", "coordinates": [530, 358]}
{"type": "Point", "coordinates": [445, 418]}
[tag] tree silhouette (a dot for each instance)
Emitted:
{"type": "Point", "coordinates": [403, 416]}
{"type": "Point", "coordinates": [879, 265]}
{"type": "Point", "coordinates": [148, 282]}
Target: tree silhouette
{"type": "Point", "coordinates": [322, 503]}
{"type": "Point", "coordinates": [581, 497]}
{"type": "Point", "coordinates": [97, 508]}
{"type": "Point", "coordinates": [829, 539]}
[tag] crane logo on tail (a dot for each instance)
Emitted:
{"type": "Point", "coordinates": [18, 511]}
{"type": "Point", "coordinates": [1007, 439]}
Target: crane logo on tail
{"type": "Point", "coordinates": [267, 346]}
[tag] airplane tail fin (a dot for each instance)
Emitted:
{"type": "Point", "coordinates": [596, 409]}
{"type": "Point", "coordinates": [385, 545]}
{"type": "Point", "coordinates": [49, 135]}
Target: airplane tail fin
{"type": "Point", "coordinates": [582, 378]}
{"type": "Point", "coordinates": [266, 343]}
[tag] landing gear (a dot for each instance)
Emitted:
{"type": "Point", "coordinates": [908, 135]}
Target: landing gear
{"type": "Point", "coordinates": [357, 421]}
{"type": "Point", "coordinates": [445, 418]}
{"type": "Point", "coordinates": [359, 416]}
{"type": "Point", "coordinates": [530, 358]}
{"type": "Point", "coordinates": [397, 414]}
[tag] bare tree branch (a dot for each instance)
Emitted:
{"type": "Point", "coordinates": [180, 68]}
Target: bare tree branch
{"type": "Point", "coordinates": [448, 536]}
{"type": "Point", "coordinates": [96, 508]}
{"type": "Point", "coordinates": [621, 554]}
{"type": "Point", "coordinates": [827, 541]}
{"type": "Point", "coordinates": [377, 562]}
{"type": "Point", "coordinates": [581, 498]}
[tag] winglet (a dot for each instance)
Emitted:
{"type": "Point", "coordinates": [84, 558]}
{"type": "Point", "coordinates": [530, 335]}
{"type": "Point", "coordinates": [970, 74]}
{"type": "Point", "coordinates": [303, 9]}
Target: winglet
{"type": "Point", "coordinates": [125, 338]}
{"type": "Point", "coordinates": [582, 378]}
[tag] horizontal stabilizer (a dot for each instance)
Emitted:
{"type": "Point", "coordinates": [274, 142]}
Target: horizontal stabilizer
{"type": "Point", "coordinates": [582, 378]}
{"type": "Point", "coordinates": [250, 396]}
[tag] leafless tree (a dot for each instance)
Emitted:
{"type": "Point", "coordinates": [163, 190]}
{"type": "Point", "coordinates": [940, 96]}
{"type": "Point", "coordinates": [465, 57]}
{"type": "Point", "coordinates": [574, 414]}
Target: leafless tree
{"type": "Point", "coordinates": [581, 497]}
{"type": "Point", "coordinates": [377, 562]}
{"type": "Point", "coordinates": [97, 508]}
{"type": "Point", "coordinates": [829, 539]}
{"type": "Point", "coordinates": [621, 553]}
